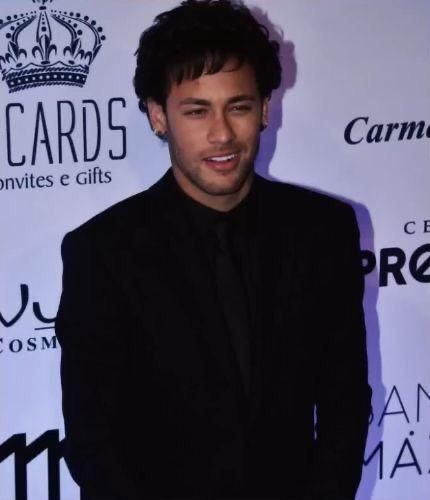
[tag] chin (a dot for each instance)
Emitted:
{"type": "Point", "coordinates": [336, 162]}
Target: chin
{"type": "Point", "coordinates": [228, 183]}
{"type": "Point", "coordinates": [223, 186]}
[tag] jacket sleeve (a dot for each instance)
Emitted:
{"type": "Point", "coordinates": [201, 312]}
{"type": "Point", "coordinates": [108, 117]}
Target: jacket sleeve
{"type": "Point", "coordinates": [343, 395]}
{"type": "Point", "coordinates": [88, 328]}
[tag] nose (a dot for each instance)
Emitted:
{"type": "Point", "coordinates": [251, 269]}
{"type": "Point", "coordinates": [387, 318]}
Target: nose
{"type": "Point", "coordinates": [220, 130]}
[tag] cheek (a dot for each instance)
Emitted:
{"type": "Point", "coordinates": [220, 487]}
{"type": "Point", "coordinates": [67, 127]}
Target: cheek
{"type": "Point", "coordinates": [184, 135]}
{"type": "Point", "coordinates": [185, 145]}
{"type": "Point", "coordinates": [251, 136]}
{"type": "Point", "coordinates": [248, 129]}
{"type": "Point", "coordinates": [187, 132]}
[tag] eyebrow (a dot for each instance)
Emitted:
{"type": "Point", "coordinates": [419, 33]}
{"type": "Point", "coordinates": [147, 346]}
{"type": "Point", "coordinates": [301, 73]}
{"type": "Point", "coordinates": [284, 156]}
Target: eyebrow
{"type": "Point", "coordinates": [204, 102]}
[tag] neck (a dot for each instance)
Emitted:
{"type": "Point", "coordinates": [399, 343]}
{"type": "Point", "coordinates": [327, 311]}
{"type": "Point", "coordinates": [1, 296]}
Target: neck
{"type": "Point", "coordinates": [219, 202]}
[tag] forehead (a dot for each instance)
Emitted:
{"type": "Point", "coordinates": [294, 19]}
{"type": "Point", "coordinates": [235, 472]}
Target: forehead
{"type": "Point", "coordinates": [230, 81]}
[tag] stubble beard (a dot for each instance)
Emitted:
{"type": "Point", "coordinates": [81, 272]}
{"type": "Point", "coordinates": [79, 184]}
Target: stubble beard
{"type": "Point", "coordinates": [198, 176]}
{"type": "Point", "coordinates": [214, 188]}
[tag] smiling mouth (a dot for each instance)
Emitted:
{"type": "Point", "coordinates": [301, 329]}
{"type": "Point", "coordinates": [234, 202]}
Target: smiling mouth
{"type": "Point", "coordinates": [222, 159]}
{"type": "Point", "coordinates": [222, 163]}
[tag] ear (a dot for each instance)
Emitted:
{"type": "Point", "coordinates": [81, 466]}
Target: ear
{"type": "Point", "coordinates": [157, 117]}
{"type": "Point", "coordinates": [265, 112]}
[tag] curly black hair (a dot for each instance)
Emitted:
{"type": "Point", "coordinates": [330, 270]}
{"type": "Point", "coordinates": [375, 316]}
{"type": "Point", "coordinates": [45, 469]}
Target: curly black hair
{"type": "Point", "coordinates": [200, 36]}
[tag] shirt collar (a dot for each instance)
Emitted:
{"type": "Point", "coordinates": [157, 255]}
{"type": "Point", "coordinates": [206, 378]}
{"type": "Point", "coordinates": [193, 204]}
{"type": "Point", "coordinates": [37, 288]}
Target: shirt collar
{"type": "Point", "coordinates": [243, 214]}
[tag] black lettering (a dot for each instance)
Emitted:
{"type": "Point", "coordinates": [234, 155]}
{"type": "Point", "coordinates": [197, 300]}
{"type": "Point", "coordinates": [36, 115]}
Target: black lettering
{"type": "Point", "coordinates": [38, 313]}
{"type": "Point", "coordinates": [406, 227]}
{"type": "Point", "coordinates": [409, 128]}
{"type": "Point", "coordinates": [96, 175]}
{"type": "Point", "coordinates": [427, 226]}
{"type": "Point", "coordinates": [120, 128]}
{"type": "Point", "coordinates": [20, 182]}
{"type": "Point", "coordinates": [412, 463]}
{"type": "Point", "coordinates": [31, 344]}
{"type": "Point", "coordinates": [40, 181]}
{"type": "Point", "coordinates": [375, 133]}
{"type": "Point", "coordinates": [32, 185]}
{"type": "Point", "coordinates": [420, 389]}
{"type": "Point", "coordinates": [49, 343]}
{"type": "Point", "coordinates": [390, 128]}
{"type": "Point", "coordinates": [64, 180]}
{"type": "Point", "coordinates": [378, 451]}
{"type": "Point", "coordinates": [16, 445]}
{"type": "Point", "coordinates": [15, 345]}
{"type": "Point", "coordinates": [418, 271]}
{"type": "Point", "coordinates": [11, 162]}
{"type": "Point", "coordinates": [66, 133]}
{"type": "Point", "coordinates": [395, 412]}
{"type": "Point", "coordinates": [24, 454]}
{"type": "Point", "coordinates": [24, 302]}
{"type": "Point", "coordinates": [81, 178]}
{"type": "Point", "coordinates": [85, 130]}
{"type": "Point", "coordinates": [371, 416]}
{"type": "Point", "coordinates": [41, 121]}
{"type": "Point", "coordinates": [349, 127]}
{"type": "Point", "coordinates": [393, 268]}
{"type": "Point", "coordinates": [49, 181]}
{"type": "Point", "coordinates": [368, 261]}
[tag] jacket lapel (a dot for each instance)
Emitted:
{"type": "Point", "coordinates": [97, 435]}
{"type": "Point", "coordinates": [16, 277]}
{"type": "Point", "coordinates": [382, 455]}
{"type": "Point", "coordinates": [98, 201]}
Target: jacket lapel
{"type": "Point", "coordinates": [276, 268]}
{"type": "Point", "coordinates": [181, 271]}
{"type": "Point", "coordinates": [268, 270]}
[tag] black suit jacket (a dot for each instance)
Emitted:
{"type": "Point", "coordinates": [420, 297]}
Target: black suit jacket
{"type": "Point", "coordinates": [152, 401]}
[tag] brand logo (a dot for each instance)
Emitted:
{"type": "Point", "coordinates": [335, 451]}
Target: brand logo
{"type": "Point", "coordinates": [47, 47]}
{"type": "Point", "coordinates": [24, 453]}
{"type": "Point", "coordinates": [394, 262]}
{"type": "Point", "coordinates": [359, 129]}
{"type": "Point", "coordinates": [401, 451]}
{"type": "Point", "coordinates": [397, 266]}
{"type": "Point", "coordinates": [43, 340]}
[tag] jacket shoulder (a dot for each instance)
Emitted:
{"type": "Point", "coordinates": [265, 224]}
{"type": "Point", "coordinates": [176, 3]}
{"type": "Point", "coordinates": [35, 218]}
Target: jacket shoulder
{"type": "Point", "coordinates": [119, 222]}
{"type": "Point", "coordinates": [305, 202]}
{"type": "Point", "coordinates": [113, 225]}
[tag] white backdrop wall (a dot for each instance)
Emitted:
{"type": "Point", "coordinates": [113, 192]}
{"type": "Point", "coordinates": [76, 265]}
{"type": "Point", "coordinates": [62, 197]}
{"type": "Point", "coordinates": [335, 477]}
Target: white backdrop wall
{"type": "Point", "coordinates": [352, 119]}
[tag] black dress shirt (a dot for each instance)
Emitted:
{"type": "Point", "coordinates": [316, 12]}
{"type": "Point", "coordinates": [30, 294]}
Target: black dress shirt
{"type": "Point", "coordinates": [241, 221]}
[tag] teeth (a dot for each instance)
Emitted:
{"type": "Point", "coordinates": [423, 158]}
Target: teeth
{"type": "Point", "coordinates": [221, 158]}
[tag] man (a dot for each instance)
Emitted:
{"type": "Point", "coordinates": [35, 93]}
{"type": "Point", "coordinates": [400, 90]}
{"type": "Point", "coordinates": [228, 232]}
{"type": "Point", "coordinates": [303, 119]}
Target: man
{"type": "Point", "coordinates": [206, 320]}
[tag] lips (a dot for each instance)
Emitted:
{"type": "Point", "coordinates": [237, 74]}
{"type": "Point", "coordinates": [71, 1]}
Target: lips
{"type": "Point", "coordinates": [221, 158]}
{"type": "Point", "coordinates": [222, 162]}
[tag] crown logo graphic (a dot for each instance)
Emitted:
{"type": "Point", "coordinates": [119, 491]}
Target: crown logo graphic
{"type": "Point", "coordinates": [47, 47]}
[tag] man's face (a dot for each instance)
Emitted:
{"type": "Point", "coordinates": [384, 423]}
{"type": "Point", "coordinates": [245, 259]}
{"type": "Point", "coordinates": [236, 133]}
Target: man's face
{"type": "Point", "coordinates": [212, 125]}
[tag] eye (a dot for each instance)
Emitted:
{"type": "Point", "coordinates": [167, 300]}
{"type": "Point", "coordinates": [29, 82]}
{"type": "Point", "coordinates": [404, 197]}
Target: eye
{"type": "Point", "coordinates": [241, 108]}
{"type": "Point", "coordinates": [197, 112]}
